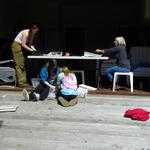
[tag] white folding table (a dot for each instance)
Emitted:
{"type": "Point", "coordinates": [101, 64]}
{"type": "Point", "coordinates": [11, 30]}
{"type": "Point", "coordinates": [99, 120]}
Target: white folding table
{"type": "Point", "coordinates": [97, 58]}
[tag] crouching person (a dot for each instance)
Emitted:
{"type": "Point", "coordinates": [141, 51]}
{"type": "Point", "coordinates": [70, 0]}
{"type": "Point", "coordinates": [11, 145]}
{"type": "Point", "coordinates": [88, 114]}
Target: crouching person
{"type": "Point", "coordinates": [47, 83]}
{"type": "Point", "coordinates": [66, 88]}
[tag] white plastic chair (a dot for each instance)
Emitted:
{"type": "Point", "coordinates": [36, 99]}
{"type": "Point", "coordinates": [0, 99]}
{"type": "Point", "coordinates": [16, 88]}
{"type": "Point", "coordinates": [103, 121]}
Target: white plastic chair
{"type": "Point", "coordinates": [116, 74]}
{"type": "Point", "coordinates": [82, 74]}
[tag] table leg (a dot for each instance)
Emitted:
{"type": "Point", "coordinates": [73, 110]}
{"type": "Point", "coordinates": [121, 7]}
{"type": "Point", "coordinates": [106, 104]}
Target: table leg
{"type": "Point", "coordinates": [98, 73]}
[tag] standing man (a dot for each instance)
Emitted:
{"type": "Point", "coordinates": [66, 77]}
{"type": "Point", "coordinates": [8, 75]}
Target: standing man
{"type": "Point", "coordinates": [21, 47]}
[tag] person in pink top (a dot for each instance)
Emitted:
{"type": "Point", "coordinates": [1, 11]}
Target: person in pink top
{"type": "Point", "coordinates": [66, 88]}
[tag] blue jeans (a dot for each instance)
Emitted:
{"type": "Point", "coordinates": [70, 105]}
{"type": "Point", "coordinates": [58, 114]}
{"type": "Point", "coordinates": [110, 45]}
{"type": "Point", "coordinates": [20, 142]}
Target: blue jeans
{"type": "Point", "coordinates": [110, 71]}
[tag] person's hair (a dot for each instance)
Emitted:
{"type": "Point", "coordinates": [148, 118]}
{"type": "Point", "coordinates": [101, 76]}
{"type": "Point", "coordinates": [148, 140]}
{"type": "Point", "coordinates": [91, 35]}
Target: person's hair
{"type": "Point", "coordinates": [33, 27]}
{"type": "Point", "coordinates": [31, 34]}
{"type": "Point", "coordinates": [65, 70]}
{"type": "Point", "coordinates": [120, 41]}
{"type": "Point", "coordinates": [51, 66]}
{"type": "Point", "coordinates": [52, 63]}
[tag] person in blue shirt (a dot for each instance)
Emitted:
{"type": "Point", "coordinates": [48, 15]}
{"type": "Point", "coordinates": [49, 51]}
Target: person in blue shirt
{"type": "Point", "coordinates": [47, 82]}
{"type": "Point", "coordinates": [67, 90]}
{"type": "Point", "coordinates": [119, 49]}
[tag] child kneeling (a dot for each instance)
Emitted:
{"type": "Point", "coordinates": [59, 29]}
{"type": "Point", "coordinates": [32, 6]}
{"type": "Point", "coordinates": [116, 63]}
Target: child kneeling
{"type": "Point", "coordinates": [48, 80]}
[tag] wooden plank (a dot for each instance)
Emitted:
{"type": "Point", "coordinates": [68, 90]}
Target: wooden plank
{"type": "Point", "coordinates": [6, 108]}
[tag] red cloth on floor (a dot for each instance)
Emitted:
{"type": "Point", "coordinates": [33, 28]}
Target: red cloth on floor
{"type": "Point", "coordinates": [137, 114]}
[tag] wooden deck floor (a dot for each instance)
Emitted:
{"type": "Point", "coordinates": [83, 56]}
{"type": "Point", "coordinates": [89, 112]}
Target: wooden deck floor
{"type": "Point", "coordinates": [104, 91]}
{"type": "Point", "coordinates": [95, 123]}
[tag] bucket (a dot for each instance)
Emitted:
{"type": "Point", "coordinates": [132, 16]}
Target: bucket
{"type": "Point", "coordinates": [35, 82]}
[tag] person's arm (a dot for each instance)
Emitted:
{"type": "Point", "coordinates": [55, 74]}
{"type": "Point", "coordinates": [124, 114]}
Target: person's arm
{"type": "Point", "coordinates": [114, 49]}
{"type": "Point", "coordinates": [24, 41]}
{"type": "Point", "coordinates": [99, 51]}
{"type": "Point", "coordinates": [59, 78]}
{"type": "Point", "coordinates": [49, 85]}
{"type": "Point", "coordinates": [33, 48]}
{"type": "Point", "coordinates": [44, 77]}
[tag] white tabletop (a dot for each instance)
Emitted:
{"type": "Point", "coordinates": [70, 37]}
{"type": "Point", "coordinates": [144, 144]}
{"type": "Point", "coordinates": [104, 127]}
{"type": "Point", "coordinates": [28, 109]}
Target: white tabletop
{"type": "Point", "coordinates": [69, 57]}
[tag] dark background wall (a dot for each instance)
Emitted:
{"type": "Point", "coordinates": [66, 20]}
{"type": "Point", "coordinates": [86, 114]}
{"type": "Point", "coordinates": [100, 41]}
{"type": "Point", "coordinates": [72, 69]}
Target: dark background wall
{"type": "Point", "coordinates": [76, 25]}
{"type": "Point", "coordinates": [96, 22]}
